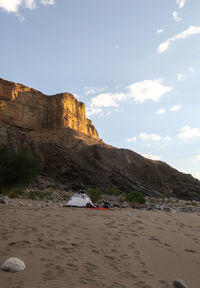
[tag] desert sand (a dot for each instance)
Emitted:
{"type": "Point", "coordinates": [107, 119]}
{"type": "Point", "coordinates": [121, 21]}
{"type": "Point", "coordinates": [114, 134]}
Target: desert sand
{"type": "Point", "coordinates": [121, 248]}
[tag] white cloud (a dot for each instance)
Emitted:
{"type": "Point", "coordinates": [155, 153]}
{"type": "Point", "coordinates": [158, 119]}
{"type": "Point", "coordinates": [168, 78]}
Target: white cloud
{"type": "Point", "coordinates": [116, 46]}
{"type": "Point", "coordinates": [175, 108]}
{"type": "Point", "coordinates": [10, 5]}
{"type": "Point", "coordinates": [179, 77]}
{"type": "Point", "coordinates": [91, 111]}
{"type": "Point", "coordinates": [148, 90]}
{"type": "Point", "coordinates": [163, 46]}
{"type": "Point", "coordinates": [139, 91]}
{"type": "Point", "coordinates": [192, 30]}
{"type": "Point", "coordinates": [161, 111]}
{"type": "Point", "coordinates": [107, 100]}
{"type": "Point", "coordinates": [30, 4]}
{"type": "Point", "coordinates": [150, 137]}
{"type": "Point", "coordinates": [176, 16]}
{"type": "Point", "coordinates": [13, 6]}
{"type": "Point", "coordinates": [159, 31]}
{"type": "Point", "coordinates": [187, 132]}
{"type": "Point", "coordinates": [181, 3]}
{"type": "Point", "coordinates": [47, 2]}
{"type": "Point", "coordinates": [153, 137]}
{"type": "Point", "coordinates": [129, 140]}
{"type": "Point", "coordinates": [151, 156]}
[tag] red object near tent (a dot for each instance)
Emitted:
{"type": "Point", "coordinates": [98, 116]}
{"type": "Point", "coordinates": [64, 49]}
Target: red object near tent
{"type": "Point", "coordinates": [99, 208]}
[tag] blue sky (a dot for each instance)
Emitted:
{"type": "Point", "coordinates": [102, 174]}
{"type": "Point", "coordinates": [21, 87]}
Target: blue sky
{"type": "Point", "coordinates": [135, 64]}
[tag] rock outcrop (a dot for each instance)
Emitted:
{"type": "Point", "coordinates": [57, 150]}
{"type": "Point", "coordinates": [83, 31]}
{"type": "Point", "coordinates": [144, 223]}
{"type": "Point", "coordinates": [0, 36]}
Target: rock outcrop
{"type": "Point", "coordinates": [72, 156]}
{"type": "Point", "coordinates": [27, 108]}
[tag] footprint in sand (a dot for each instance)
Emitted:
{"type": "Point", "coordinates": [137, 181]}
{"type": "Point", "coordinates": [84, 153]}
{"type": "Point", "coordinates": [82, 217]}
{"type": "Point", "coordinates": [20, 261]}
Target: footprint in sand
{"type": "Point", "coordinates": [143, 264]}
{"type": "Point", "coordinates": [117, 285]}
{"type": "Point", "coordinates": [90, 267]}
{"type": "Point", "coordinates": [165, 284]}
{"type": "Point", "coordinates": [160, 228]}
{"type": "Point", "coordinates": [128, 274]}
{"type": "Point", "coordinates": [53, 272]}
{"type": "Point", "coordinates": [95, 251]}
{"type": "Point", "coordinates": [86, 281]}
{"type": "Point", "coordinates": [142, 284]}
{"type": "Point", "coordinates": [190, 251]}
{"type": "Point", "coordinates": [20, 244]}
{"type": "Point", "coordinates": [43, 259]}
{"type": "Point", "coordinates": [146, 272]}
{"type": "Point", "coordinates": [124, 256]}
{"type": "Point", "coordinates": [71, 267]}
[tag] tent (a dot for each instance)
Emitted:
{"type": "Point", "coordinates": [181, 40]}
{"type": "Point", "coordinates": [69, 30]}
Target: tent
{"type": "Point", "coordinates": [79, 200]}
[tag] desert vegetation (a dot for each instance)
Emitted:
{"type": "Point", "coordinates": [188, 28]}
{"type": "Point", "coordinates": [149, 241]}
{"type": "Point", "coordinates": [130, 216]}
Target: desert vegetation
{"type": "Point", "coordinates": [17, 169]}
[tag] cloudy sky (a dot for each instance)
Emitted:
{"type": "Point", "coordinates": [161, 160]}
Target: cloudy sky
{"type": "Point", "coordinates": [135, 63]}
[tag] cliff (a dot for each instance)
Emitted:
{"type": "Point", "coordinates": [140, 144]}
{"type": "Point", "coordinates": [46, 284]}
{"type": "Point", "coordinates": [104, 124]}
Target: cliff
{"type": "Point", "coordinates": [32, 121]}
{"type": "Point", "coordinates": [27, 108]}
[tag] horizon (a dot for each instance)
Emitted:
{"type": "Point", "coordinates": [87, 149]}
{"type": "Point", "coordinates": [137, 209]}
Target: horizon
{"type": "Point", "coordinates": [126, 72]}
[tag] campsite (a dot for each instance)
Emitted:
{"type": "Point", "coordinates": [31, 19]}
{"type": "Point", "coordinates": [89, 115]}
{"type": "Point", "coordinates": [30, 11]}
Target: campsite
{"type": "Point", "coordinates": [99, 144]}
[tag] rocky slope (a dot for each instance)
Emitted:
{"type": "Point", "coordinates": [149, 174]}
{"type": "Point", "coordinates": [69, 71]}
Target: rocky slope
{"type": "Point", "coordinates": [71, 156]}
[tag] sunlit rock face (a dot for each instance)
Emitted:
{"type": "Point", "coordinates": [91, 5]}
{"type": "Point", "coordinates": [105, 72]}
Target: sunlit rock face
{"type": "Point", "coordinates": [28, 108]}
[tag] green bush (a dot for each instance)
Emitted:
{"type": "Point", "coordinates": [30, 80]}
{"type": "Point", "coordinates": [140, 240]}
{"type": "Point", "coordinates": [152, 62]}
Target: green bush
{"type": "Point", "coordinates": [135, 197]}
{"type": "Point", "coordinates": [112, 192]}
{"type": "Point", "coordinates": [16, 168]}
{"type": "Point", "coordinates": [94, 194]}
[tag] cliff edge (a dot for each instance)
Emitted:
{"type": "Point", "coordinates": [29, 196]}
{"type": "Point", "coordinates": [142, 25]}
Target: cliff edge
{"type": "Point", "coordinates": [27, 108]}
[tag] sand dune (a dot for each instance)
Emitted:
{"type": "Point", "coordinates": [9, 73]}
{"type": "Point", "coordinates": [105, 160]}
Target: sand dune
{"type": "Point", "coordinates": [69, 247]}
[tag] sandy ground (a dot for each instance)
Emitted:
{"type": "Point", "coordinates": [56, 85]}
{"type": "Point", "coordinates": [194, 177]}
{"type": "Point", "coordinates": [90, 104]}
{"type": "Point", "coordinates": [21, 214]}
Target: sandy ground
{"type": "Point", "coordinates": [69, 247]}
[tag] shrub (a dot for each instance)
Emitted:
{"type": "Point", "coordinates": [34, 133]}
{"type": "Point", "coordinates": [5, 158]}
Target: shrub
{"type": "Point", "coordinates": [112, 192]}
{"type": "Point", "coordinates": [16, 168]}
{"type": "Point", "coordinates": [94, 194]}
{"type": "Point", "coordinates": [135, 197]}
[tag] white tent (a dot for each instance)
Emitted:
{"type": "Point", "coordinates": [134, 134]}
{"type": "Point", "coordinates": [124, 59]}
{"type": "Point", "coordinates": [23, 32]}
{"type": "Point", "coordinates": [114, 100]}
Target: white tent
{"type": "Point", "coordinates": [79, 200]}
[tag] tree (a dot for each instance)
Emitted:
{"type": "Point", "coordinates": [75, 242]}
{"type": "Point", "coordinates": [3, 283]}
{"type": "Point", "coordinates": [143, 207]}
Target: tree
{"type": "Point", "coordinates": [16, 168]}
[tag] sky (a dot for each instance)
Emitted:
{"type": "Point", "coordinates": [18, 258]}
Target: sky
{"type": "Point", "coordinates": [134, 63]}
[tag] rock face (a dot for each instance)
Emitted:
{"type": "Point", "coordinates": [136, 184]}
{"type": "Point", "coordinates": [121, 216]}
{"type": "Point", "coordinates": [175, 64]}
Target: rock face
{"type": "Point", "coordinates": [72, 156]}
{"type": "Point", "coordinates": [13, 265]}
{"type": "Point", "coordinates": [23, 107]}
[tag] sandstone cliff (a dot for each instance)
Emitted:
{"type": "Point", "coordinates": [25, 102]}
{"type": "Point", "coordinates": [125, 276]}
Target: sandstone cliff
{"type": "Point", "coordinates": [71, 156]}
{"type": "Point", "coordinates": [21, 106]}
